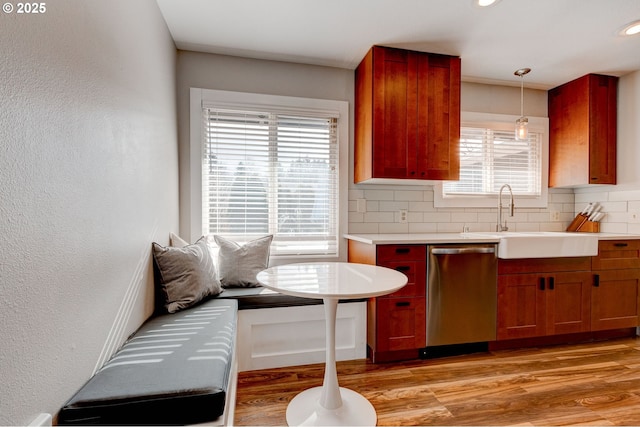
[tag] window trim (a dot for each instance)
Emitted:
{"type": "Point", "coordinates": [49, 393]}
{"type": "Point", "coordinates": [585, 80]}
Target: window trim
{"type": "Point", "coordinates": [476, 119]}
{"type": "Point", "coordinates": [206, 97]}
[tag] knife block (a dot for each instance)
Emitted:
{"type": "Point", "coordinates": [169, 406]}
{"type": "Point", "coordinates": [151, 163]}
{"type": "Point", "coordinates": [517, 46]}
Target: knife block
{"type": "Point", "coordinates": [589, 227]}
{"type": "Point", "coordinates": [581, 223]}
{"type": "Point", "coordinates": [577, 222]}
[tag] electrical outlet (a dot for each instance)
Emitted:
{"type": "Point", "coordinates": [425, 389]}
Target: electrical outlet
{"type": "Point", "coordinates": [402, 216]}
{"type": "Point", "coordinates": [555, 216]}
{"type": "Point", "coordinates": [361, 205]}
{"type": "Point", "coordinates": [634, 217]}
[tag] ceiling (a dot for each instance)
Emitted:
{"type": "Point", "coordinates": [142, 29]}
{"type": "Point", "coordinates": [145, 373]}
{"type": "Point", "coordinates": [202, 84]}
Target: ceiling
{"type": "Point", "coordinates": [559, 40]}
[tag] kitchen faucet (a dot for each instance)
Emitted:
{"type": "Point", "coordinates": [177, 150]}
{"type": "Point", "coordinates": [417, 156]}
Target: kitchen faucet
{"type": "Point", "coordinates": [499, 226]}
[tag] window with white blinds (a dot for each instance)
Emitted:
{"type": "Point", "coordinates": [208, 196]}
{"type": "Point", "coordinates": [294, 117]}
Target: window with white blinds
{"type": "Point", "coordinates": [270, 171]}
{"type": "Point", "coordinates": [491, 157]}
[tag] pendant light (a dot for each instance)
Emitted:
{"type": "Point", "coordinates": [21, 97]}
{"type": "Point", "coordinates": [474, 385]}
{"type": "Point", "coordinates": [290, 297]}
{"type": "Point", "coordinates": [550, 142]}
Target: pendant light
{"type": "Point", "coordinates": [522, 122]}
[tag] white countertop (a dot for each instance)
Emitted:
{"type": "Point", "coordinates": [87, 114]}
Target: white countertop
{"type": "Point", "coordinates": [428, 238]}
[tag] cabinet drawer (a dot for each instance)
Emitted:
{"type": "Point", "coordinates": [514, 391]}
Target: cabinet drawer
{"type": "Point", "coordinates": [543, 265]}
{"type": "Point", "coordinates": [617, 254]}
{"type": "Point", "coordinates": [401, 253]}
{"type": "Point", "coordinates": [402, 324]}
{"type": "Point", "coordinates": [416, 273]}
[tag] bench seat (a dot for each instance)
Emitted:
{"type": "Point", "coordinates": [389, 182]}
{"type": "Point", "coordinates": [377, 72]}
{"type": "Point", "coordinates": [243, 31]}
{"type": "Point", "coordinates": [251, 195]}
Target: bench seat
{"type": "Point", "coordinates": [174, 370]}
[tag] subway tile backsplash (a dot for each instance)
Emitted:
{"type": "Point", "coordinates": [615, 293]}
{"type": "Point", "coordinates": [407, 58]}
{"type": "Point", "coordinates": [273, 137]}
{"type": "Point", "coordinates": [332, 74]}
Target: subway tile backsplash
{"type": "Point", "coordinates": [383, 206]}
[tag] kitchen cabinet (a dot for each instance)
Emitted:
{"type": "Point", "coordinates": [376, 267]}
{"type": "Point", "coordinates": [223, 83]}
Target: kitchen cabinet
{"type": "Point", "coordinates": [616, 285]}
{"type": "Point", "coordinates": [582, 131]}
{"type": "Point", "coordinates": [546, 296]}
{"type": "Point", "coordinates": [396, 323]}
{"type": "Point", "coordinates": [407, 116]}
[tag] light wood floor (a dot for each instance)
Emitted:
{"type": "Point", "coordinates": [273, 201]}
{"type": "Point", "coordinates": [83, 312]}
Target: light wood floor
{"type": "Point", "coordinates": [587, 384]}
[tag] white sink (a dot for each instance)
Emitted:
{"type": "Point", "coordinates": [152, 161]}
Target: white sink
{"type": "Point", "coordinates": [543, 244]}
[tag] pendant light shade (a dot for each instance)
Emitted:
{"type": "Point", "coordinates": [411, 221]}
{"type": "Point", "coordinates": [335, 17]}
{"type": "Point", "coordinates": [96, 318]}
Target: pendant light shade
{"type": "Point", "coordinates": [522, 123]}
{"type": "Point", "coordinates": [522, 129]}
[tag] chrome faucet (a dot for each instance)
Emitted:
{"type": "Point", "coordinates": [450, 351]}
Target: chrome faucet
{"type": "Point", "coordinates": [499, 225]}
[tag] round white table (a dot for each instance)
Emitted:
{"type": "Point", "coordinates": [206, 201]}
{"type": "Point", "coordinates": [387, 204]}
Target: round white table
{"type": "Point", "coordinates": [331, 281]}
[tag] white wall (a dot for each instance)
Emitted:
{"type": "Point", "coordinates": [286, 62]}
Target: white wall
{"type": "Point", "coordinates": [88, 166]}
{"type": "Point", "coordinates": [209, 71]}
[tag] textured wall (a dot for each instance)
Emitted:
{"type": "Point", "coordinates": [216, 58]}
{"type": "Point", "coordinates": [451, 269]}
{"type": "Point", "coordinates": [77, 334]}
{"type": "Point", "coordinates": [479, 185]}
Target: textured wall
{"type": "Point", "coordinates": [89, 177]}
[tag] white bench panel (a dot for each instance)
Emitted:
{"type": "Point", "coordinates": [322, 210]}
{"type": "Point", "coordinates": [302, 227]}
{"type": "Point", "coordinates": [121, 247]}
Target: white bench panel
{"type": "Point", "coordinates": [290, 336]}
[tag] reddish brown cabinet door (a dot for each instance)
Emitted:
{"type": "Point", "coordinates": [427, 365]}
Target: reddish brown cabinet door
{"type": "Point", "coordinates": [438, 139]}
{"type": "Point", "coordinates": [395, 86]}
{"type": "Point", "coordinates": [616, 285]}
{"type": "Point", "coordinates": [582, 131]}
{"type": "Point", "coordinates": [407, 123]}
{"type": "Point", "coordinates": [568, 298]}
{"type": "Point", "coordinates": [615, 299]}
{"type": "Point", "coordinates": [521, 307]}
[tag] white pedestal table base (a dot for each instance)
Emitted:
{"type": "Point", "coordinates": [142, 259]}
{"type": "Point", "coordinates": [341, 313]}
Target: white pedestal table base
{"type": "Point", "coordinates": [305, 410]}
{"type": "Point", "coordinates": [330, 405]}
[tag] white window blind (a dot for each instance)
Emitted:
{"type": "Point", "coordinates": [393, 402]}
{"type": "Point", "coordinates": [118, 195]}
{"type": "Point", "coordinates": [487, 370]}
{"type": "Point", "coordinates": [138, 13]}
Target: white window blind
{"type": "Point", "coordinates": [272, 172]}
{"type": "Point", "coordinates": [490, 158]}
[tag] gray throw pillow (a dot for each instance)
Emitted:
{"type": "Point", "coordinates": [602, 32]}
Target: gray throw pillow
{"type": "Point", "coordinates": [239, 265]}
{"type": "Point", "coordinates": [187, 275]}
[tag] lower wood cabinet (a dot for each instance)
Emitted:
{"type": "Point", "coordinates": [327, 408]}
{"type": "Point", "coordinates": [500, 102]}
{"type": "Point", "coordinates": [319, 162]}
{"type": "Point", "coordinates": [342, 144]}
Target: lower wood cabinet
{"type": "Point", "coordinates": [556, 296]}
{"type": "Point", "coordinates": [533, 305]}
{"type": "Point", "coordinates": [396, 323]}
{"type": "Point", "coordinates": [541, 297]}
{"type": "Point", "coordinates": [615, 299]}
{"type": "Point", "coordinates": [616, 285]}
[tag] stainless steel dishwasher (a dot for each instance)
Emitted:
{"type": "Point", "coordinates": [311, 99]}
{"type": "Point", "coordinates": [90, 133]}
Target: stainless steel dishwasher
{"type": "Point", "coordinates": [461, 293]}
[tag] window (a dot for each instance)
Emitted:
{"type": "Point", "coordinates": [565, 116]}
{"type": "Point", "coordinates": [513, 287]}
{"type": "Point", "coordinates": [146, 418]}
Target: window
{"type": "Point", "coordinates": [271, 166]}
{"type": "Point", "coordinates": [490, 156]}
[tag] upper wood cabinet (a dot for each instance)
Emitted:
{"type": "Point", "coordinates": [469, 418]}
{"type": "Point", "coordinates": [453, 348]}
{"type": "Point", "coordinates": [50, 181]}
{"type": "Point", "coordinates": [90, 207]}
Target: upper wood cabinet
{"type": "Point", "coordinates": [582, 131]}
{"type": "Point", "coordinates": [407, 116]}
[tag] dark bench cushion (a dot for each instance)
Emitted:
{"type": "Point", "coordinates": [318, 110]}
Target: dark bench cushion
{"type": "Point", "coordinates": [261, 297]}
{"type": "Point", "coordinates": [173, 370]}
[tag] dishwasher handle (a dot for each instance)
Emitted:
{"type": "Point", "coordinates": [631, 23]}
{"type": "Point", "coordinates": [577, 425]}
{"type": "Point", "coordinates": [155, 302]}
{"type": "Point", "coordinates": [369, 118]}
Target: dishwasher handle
{"type": "Point", "coordinates": [466, 250]}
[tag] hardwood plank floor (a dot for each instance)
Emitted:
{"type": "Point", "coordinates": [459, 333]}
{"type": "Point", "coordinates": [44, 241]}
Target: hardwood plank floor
{"type": "Point", "coordinates": [588, 384]}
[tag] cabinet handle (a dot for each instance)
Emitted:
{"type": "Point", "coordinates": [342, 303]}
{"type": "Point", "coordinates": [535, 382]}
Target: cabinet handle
{"type": "Point", "coordinates": [403, 268]}
{"type": "Point", "coordinates": [596, 280]}
{"type": "Point", "coordinates": [620, 245]}
{"type": "Point", "coordinates": [542, 283]}
{"type": "Point", "coordinates": [403, 250]}
{"type": "Point", "coordinates": [403, 304]}
{"type": "Point", "coordinates": [551, 283]}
